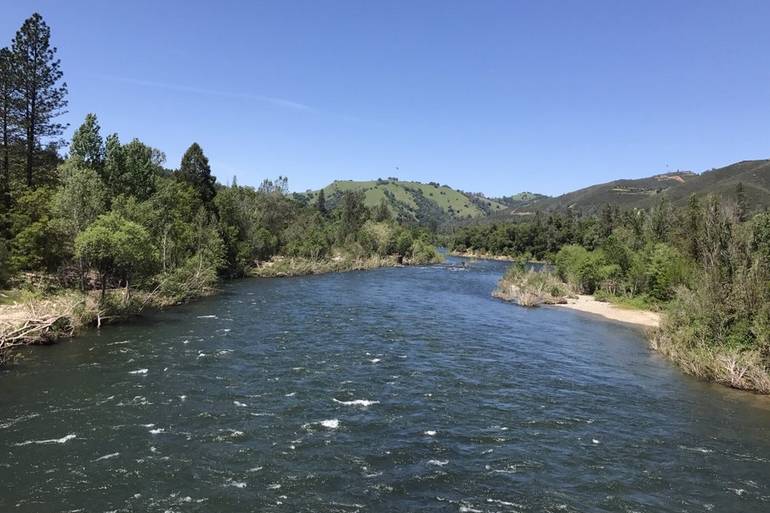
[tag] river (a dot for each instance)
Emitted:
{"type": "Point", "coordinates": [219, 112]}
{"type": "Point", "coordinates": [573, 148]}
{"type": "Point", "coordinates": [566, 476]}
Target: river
{"type": "Point", "coordinates": [390, 390]}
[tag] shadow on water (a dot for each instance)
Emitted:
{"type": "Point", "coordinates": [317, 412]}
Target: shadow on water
{"type": "Point", "coordinates": [388, 390]}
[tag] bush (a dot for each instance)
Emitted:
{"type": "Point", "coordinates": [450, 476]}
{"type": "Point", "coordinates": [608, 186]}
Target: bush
{"type": "Point", "coordinates": [424, 253]}
{"type": "Point", "coordinates": [528, 287]}
{"type": "Point", "coordinates": [581, 268]}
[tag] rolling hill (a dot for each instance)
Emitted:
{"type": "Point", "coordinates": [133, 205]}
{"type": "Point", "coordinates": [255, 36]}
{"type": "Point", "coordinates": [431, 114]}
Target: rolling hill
{"type": "Point", "coordinates": [676, 187]}
{"type": "Point", "coordinates": [415, 201]}
{"type": "Point", "coordinates": [435, 204]}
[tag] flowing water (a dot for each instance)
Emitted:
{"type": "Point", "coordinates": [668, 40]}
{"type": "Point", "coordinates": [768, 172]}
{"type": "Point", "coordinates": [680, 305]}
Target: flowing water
{"type": "Point", "coordinates": [390, 390]}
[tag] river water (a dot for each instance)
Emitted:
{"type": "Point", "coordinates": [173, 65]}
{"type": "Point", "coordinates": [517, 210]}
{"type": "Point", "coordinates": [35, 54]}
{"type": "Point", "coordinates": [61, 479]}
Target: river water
{"type": "Point", "coordinates": [389, 390]}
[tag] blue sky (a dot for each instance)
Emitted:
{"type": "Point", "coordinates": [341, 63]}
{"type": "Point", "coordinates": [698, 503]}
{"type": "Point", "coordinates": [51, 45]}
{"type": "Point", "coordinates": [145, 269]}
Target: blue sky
{"type": "Point", "coordinates": [490, 96]}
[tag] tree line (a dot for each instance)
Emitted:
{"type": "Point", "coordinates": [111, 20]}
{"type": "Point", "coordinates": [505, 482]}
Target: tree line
{"type": "Point", "coordinates": [111, 214]}
{"type": "Point", "coordinates": [706, 265]}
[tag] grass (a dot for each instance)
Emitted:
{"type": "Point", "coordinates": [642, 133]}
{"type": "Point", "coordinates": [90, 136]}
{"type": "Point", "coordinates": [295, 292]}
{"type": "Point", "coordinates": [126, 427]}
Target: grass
{"type": "Point", "coordinates": [280, 267]}
{"type": "Point", "coordinates": [527, 287]}
{"type": "Point", "coordinates": [640, 302]}
{"type": "Point", "coordinates": [731, 366]}
{"type": "Point", "coordinates": [404, 193]}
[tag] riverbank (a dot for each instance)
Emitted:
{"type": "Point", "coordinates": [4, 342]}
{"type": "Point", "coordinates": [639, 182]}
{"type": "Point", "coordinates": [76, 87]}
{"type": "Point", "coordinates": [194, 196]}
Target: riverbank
{"type": "Point", "coordinates": [589, 304]}
{"type": "Point", "coordinates": [285, 267]}
{"type": "Point", "coordinates": [481, 255]}
{"type": "Point", "coordinates": [532, 288]}
{"type": "Point", "coordinates": [732, 366]}
{"type": "Point", "coordinates": [46, 320]}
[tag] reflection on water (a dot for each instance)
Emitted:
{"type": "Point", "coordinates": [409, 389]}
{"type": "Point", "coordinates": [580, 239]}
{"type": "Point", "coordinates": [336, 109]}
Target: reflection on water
{"type": "Point", "coordinates": [390, 390]}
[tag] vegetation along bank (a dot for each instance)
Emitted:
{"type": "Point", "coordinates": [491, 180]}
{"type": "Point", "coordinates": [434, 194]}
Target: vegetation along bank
{"type": "Point", "coordinates": [111, 229]}
{"type": "Point", "coordinates": [704, 267]}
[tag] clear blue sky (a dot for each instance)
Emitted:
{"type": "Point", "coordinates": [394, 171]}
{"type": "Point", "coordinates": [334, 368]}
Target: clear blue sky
{"type": "Point", "coordinates": [490, 96]}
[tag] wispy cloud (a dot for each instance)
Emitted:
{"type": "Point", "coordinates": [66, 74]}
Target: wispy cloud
{"type": "Point", "coordinates": [280, 102]}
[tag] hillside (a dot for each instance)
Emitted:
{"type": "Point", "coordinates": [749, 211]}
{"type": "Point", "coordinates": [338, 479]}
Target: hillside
{"type": "Point", "coordinates": [418, 202]}
{"type": "Point", "coordinates": [676, 187]}
{"type": "Point", "coordinates": [435, 204]}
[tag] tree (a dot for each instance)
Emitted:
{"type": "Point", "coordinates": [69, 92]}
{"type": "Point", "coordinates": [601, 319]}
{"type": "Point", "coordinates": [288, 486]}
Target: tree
{"type": "Point", "coordinates": [7, 124]}
{"type": "Point", "coordinates": [80, 199]}
{"type": "Point", "coordinates": [87, 147]}
{"type": "Point", "coordinates": [131, 169]}
{"type": "Point", "coordinates": [38, 244]}
{"type": "Point", "coordinates": [321, 203]}
{"type": "Point", "coordinates": [354, 213]}
{"type": "Point", "coordinates": [195, 171]}
{"type": "Point", "coordinates": [116, 247]}
{"type": "Point", "coordinates": [77, 203]}
{"type": "Point", "coordinates": [382, 212]}
{"type": "Point", "coordinates": [114, 164]}
{"type": "Point", "coordinates": [279, 187]}
{"type": "Point", "coordinates": [41, 97]}
{"type": "Point", "coordinates": [742, 209]}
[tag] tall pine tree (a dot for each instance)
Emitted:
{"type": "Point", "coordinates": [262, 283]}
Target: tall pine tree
{"type": "Point", "coordinates": [7, 124]}
{"type": "Point", "coordinates": [321, 203]}
{"type": "Point", "coordinates": [195, 170]}
{"type": "Point", "coordinates": [40, 94]}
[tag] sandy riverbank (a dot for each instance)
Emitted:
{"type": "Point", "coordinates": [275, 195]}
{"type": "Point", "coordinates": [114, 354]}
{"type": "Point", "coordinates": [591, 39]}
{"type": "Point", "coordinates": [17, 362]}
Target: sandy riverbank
{"type": "Point", "coordinates": [481, 256]}
{"type": "Point", "coordinates": [609, 311]}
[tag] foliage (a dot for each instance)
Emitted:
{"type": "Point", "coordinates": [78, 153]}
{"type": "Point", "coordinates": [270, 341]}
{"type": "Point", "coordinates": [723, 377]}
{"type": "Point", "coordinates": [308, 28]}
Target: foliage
{"type": "Point", "coordinates": [38, 243]}
{"type": "Point", "coordinates": [87, 146]}
{"type": "Point", "coordinates": [111, 215]}
{"type": "Point", "coordinates": [707, 265]}
{"type": "Point", "coordinates": [195, 171]}
{"type": "Point", "coordinates": [39, 94]}
{"type": "Point", "coordinates": [80, 198]}
{"type": "Point", "coordinates": [423, 252]}
{"type": "Point", "coordinates": [117, 248]}
{"type": "Point", "coordinates": [528, 287]}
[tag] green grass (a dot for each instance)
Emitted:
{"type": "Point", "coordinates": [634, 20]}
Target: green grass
{"type": "Point", "coordinates": [453, 203]}
{"type": "Point", "coordinates": [641, 302]}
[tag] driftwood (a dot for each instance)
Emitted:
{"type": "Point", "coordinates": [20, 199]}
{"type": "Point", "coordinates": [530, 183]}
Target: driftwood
{"type": "Point", "coordinates": [35, 330]}
{"type": "Point", "coordinates": [31, 327]}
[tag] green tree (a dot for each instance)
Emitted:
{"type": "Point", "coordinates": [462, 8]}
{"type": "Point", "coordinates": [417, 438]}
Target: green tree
{"type": "Point", "coordinates": [382, 212]}
{"type": "Point", "coordinates": [195, 170]}
{"type": "Point", "coordinates": [80, 199]}
{"type": "Point", "coordinates": [131, 169]}
{"type": "Point", "coordinates": [143, 164]}
{"type": "Point", "coordinates": [116, 248]}
{"type": "Point", "coordinates": [87, 147]}
{"type": "Point", "coordinates": [354, 214]}
{"type": "Point", "coordinates": [114, 164]}
{"type": "Point", "coordinates": [321, 203]}
{"type": "Point", "coordinates": [666, 270]}
{"type": "Point", "coordinates": [39, 243]}
{"type": "Point", "coordinates": [172, 218]}
{"type": "Point", "coordinates": [42, 96]}
{"type": "Point", "coordinates": [8, 123]}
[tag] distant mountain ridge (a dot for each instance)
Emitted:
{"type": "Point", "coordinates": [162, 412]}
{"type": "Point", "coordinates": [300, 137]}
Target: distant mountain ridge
{"type": "Point", "coordinates": [435, 204]}
{"type": "Point", "coordinates": [676, 187]}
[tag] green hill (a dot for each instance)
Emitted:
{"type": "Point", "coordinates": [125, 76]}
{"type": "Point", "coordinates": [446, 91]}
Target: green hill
{"type": "Point", "coordinates": [676, 187]}
{"type": "Point", "coordinates": [432, 203]}
{"type": "Point", "coordinates": [415, 201]}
